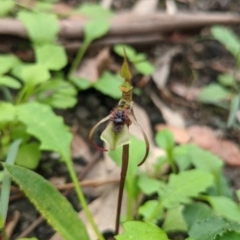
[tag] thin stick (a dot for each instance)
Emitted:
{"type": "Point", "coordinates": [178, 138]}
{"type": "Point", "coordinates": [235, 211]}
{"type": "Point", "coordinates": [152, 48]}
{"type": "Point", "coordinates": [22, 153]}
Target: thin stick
{"type": "Point", "coordinates": [125, 158]}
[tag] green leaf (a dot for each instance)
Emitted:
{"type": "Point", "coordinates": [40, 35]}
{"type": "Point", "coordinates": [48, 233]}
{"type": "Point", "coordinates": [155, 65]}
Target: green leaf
{"type": "Point", "coordinates": [150, 185]}
{"type": "Point", "coordinates": [130, 52]}
{"type": "Point", "coordinates": [165, 139]}
{"type": "Point", "coordinates": [6, 7]}
{"type": "Point", "coordinates": [147, 208]}
{"type": "Point", "coordinates": [195, 212]}
{"type": "Point", "coordinates": [205, 160]}
{"type": "Point", "coordinates": [6, 181]}
{"type": "Point", "coordinates": [19, 132]}
{"type": "Point", "coordinates": [174, 220]}
{"type": "Point", "coordinates": [94, 11]}
{"type": "Point", "coordinates": [141, 231]}
{"type": "Point", "coordinates": [29, 155]}
{"type": "Point", "coordinates": [228, 38]}
{"type": "Point", "coordinates": [8, 112]}
{"type": "Point", "coordinates": [53, 57]}
{"type": "Point", "coordinates": [57, 93]}
{"type": "Point", "coordinates": [49, 128]}
{"type": "Point", "coordinates": [225, 207]}
{"type": "Point", "coordinates": [227, 80]}
{"type": "Point", "coordinates": [34, 74]}
{"type": "Point", "coordinates": [108, 84]}
{"type": "Point", "coordinates": [9, 82]}
{"type": "Point", "coordinates": [60, 101]}
{"type": "Point", "coordinates": [144, 67]}
{"type": "Point", "coordinates": [95, 29]}
{"type": "Point", "coordinates": [7, 61]}
{"type": "Point", "coordinates": [81, 83]}
{"type": "Point", "coordinates": [229, 236]}
{"type": "Point", "coordinates": [42, 27]}
{"type": "Point", "coordinates": [53, 206]}
{"type": "Point", "coordinates": [234, 107]}
{"type": "Point", "coordinates": [185, 185]}
{"type": "Point", "coordinates": [181, 157]}
{"type": "Point", "coordinates": [213, 93]}
{"type": "Point", "coordinates": [210, 228]}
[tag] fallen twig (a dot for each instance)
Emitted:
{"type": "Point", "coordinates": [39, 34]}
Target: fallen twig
{"type": "Point", "coordinates": [123, 24]}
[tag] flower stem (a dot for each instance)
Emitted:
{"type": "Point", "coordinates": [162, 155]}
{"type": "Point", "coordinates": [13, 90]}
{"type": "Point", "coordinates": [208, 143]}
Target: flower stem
{"type": "Point", "coordinates": [125, 157]}
{"type": "Point", "coordinates": [82, 199]}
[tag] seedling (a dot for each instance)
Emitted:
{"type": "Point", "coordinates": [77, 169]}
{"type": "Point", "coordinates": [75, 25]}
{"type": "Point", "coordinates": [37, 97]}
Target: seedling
{"type": "Point", "coordinates": [225, 93]}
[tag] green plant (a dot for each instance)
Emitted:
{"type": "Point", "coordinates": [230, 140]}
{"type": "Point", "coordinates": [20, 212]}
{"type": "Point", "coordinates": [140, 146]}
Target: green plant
{"type": "Point", "coordinates": [116, 134]}
{"type": "Point", "coordinates": [225, 93]}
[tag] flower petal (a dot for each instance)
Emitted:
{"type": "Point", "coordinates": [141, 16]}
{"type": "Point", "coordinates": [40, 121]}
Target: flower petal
{"type": "Point", "coordinates": [113, 139]}
{"type": "Point", "coordinates": [92, 132]}
{"type": "Point", "coordinates": [134, 120]}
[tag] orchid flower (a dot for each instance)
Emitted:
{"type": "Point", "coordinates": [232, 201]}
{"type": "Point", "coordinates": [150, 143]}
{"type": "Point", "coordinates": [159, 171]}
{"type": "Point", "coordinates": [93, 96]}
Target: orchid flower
{"type": "Point", "coordinates": [116, 133]}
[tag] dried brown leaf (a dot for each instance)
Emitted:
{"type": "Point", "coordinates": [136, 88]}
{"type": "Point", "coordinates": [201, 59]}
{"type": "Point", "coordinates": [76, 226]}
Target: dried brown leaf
{"type": "Point", "coordinates": [189, 93]}
{"type": "Point", "coordinates": [207, 138]}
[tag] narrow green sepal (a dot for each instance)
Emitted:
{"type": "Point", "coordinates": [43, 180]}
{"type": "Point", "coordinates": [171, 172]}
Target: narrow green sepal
{"type": "Point", "coordinates": [125, 72]}
{"type": "Point", "coordinates": [113, 139]}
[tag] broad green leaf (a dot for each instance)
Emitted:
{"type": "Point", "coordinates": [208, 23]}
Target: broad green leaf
{"type": "Point", "coordinates": [6, 7]}
{"type": "Point", "coordinates": [225, 207]}
{"type": "Point", "coordinates": [7, 112]}
{"type": "Point", "coordinates": [7, 61]}
{"type": "Point", "coordinates": [205, 160]}
{"type": "Point", "coordinates": [94, 11]}
{"type": "Point", "coordinates": [227, 80]}
{"type": "Point", "coordinates": [34, 74]}
{"type": "Point", "coordinates": [60, 101]}
{"type": "Point", "coordinates": [9, 82]}
{"type": "Point", "coordinates": [213, 93]}
{"type": "Point", "coordinates": [47, 127]}
{"type": "Point", "coordinates": [53, 57]}
{"type": "Point", "coordinates": [42, 27]}
{"type": "Point", "coordinates": [234, 107]}
{"type": "Point", "coordinates": [80, 83]}
{"type": "Point", "coordinates": [144, 67]}
{"type": "Point", "coordinates": [229, 236]}
{"type": "Point", "coordinates": [131, 52]}
{"type": "Point", "coordinates": [195, 212]}
{"type": "Point", "coordinates": [211, 227]}
{"type": "Point", "coordinates": [228, 38]}
{"type": "Point", "coordinates": [57, 93]}
{"type": "Point", "coordinates": [174, 220]}
{"type": "Point", "coordinates": [108, 84]}
{"type": "Point", "coordinates": [146, 209]}
{"type": "Point", "coordinates": [185, 185]}
{"type": "Point", "coordinates": [150, 185]}
{"type": "Point", "coordinates": [95, 29]}
{"type": "Point", "coordinates": [165, 139]}
{"type": "Point", "coordinates": [141, 231]}
{"type": "Point", "coordinates": [53, 206]}
{"type": "Point", "coordinates": [181, 157]}
{"type": "Point", "coordinates": [19, 132]}
{"type": "Point", "coordinates": [28, 155]}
